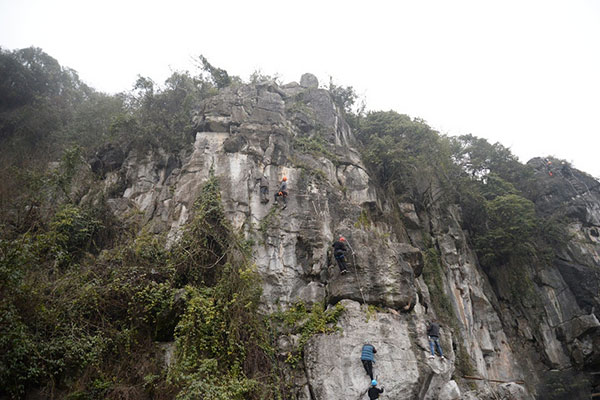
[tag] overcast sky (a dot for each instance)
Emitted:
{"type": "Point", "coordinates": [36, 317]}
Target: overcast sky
{"type": "Point", "coordinates": [525, 73]}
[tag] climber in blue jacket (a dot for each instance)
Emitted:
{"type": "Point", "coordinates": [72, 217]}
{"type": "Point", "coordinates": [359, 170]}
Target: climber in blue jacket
{"type": "Point", "coordinates": [367, 358]}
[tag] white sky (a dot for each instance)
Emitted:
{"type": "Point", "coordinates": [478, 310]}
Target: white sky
{"type": "Point", "coordinates": [525, 73]}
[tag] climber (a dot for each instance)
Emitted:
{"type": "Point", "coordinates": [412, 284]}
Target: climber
{"type": "Point", "coordinates": [264, 189]}
{"type": "Point", "coordinates": [339, 252]}
{"type": "Point", "coordinates": [374, 392]}
{"type": "Point", "coordinates": [367, 358]}
{"type": "Point", "coordinates": [433, 333]}
{"type": "Point", "coordinates": [282, 192]}
{"type": "Point", "coordinates": [549, 166]}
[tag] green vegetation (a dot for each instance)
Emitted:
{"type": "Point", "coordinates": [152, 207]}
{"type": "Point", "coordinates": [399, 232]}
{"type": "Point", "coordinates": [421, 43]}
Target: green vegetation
{"type": "Point", "coordinates": [345, 98]}
{"type": "Point", "coordinates": [220, 337]}
{"type": "Point", "coordinates": [219, 77]}
{"type": "Point", "coordinates": [268, 221]}
{"type": "Point", "coordinates": [308, 173]}
{"type": "Point", "coordinates": [404, 155]}
{"type": "Point", "coordinates": [496, 192]}
{"type": "Point", "coordinates": [363, 221]}
{"type": "Point", "coordinates": [45, 108]}
{"type": "Point", "coordinates": [316, 145]}
{"type": "Point", "coordinates": [434, 278]}
{"type": "Point", "coordinates": [82, 324]}
{"type": "Point", "coordinates": [298, 319]}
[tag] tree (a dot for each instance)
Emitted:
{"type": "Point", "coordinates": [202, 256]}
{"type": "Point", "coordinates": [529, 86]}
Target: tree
{"type": "Point", "coordinates": [477, 158]}
{"type": "Point", "coordinates": [38, 100]}
{"type": "Point", "coordinates": [219, 76]}
{"type": "Point", "coordinates": [343, 96]}
{"type": "Point", "coordinates": [512, 224]}
{"type": "Point", "coordinates": [405, 154]}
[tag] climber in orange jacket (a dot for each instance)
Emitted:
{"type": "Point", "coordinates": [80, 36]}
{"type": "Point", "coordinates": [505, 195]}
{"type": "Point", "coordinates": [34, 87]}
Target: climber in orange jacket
{"type": "Point", "coordinates": [282, 192]}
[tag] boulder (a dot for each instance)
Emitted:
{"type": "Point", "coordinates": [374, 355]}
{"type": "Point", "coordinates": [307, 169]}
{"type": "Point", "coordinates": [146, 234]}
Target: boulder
{"type": "Point", "coordinates": [309, 81]}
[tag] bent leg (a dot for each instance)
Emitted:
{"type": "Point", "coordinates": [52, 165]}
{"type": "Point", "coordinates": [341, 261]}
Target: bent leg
{"type": "Point", "coordinates": [344, 265]}
{"type": "Point", "coordinates": [368, 368]}
{"type": "Point", "coordinates": [364, 363]}
{"type": "Point", "coordinates": [264, 194]}
{"type": "Point", "coordinates": [341, 263]}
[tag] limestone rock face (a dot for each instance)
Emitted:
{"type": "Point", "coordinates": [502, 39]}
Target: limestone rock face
{"type": "Point", "coordinates": [334, 372]}
{"type": "Point", "coordinates": [295, 130]}
{"type": "Point", "coordinates": [450, 391]}
{"type": "Point", "coordinates": [309, 81]}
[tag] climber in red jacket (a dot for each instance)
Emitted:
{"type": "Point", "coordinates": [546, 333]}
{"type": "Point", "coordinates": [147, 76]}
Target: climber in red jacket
{"type": "Point", "coordinates": [339, 252]}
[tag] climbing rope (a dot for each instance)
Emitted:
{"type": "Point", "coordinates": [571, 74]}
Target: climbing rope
{"type": "Point", "coordinates": [356, 274]}
{"type": "Point", "coordinates": [477, 378]}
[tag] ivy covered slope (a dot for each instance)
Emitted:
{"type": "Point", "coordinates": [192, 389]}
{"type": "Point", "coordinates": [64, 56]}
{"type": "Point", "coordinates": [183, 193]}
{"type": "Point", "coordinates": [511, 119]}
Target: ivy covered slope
{"type": "Point", "coordinates": [137, 260]}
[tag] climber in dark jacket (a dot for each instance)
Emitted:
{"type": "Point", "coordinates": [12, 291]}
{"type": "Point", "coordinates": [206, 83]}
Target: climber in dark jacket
{"type": "Point", "coordinates": [264, 188]}
{"type": "Point", "coordinates": [433, 333]}
{"type": "Point", "coordinates": [367, 358]}
{"type": "Point", "coordinates": [339, 252]}
{"type": "Point", "coordinates": [374, 392]}
{"type": "Point", "coordinates": [282, 192]}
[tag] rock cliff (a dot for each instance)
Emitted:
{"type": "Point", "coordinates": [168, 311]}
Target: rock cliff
{"type": "Point", "coordinates": [295, 130]}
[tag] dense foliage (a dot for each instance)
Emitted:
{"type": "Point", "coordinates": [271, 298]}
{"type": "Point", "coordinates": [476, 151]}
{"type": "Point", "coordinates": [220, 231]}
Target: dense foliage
{"type": "Point", "coordinates": [82, 324]}
{"type": "Point", "coordinates": [83, 297]}
{"type": "Point", "coordinates": [45, 107]}
{"type": "Point", "coordinates": [495, 191]}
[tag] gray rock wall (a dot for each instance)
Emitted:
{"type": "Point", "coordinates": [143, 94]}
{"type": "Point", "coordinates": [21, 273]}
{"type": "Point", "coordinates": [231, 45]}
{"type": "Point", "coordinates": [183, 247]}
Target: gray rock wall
{"type": "Point", "coordinates": [296, 131]}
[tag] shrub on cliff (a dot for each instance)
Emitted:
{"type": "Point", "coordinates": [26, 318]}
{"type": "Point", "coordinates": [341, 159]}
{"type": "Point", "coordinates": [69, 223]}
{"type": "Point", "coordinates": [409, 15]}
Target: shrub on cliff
{"type": "Point", "coordinates": [406, 156]}
{"type": "Point", "coordinates": [79, 323]}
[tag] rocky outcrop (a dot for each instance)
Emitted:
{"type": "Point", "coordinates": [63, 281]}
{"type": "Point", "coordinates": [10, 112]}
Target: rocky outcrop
{"type": "Point", "coordinates": [401, 364]}
{"type": "Point", "coordinates": [295, 130]}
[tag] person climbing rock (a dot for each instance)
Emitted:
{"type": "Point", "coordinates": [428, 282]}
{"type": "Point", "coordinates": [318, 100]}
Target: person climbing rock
{"type": "Point", "coordinates": [374, 391]}
{"type": "Point", "coordinates": [433, 333]}
{"type": "Point", "coordinates": [548, 166]}
{"type": "Point", "coordinates": [282, 192]}
{"type": "Point", "coordinates": [339, 252]}
{"type": "Point", "coordinates": [367, 357]}
{"type": "Point", "coordinates": [264, 189]}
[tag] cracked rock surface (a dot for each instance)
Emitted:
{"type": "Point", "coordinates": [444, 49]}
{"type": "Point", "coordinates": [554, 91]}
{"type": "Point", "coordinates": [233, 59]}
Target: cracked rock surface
{"type": "Point", "coordinates": [295, 130]}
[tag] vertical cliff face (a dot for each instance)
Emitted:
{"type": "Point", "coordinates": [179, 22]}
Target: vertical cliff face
{"type": "Point", "coordinates": [295, 131]}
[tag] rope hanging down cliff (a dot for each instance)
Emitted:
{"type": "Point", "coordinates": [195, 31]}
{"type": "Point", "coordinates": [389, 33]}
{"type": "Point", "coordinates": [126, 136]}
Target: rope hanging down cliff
{"type": "Point", "coordinates": [356, 274]}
